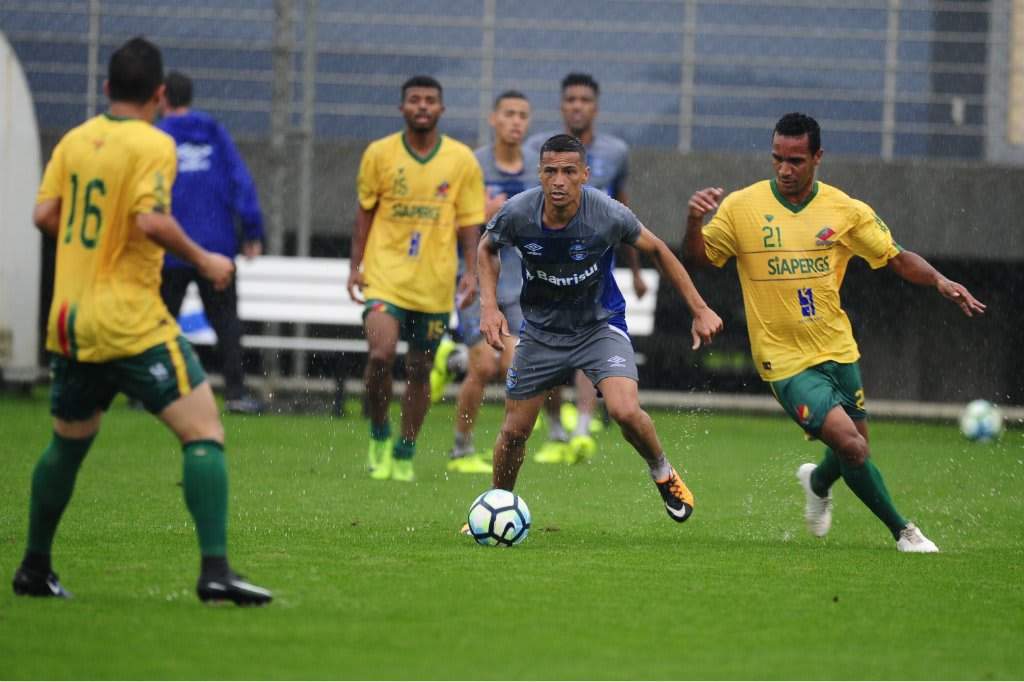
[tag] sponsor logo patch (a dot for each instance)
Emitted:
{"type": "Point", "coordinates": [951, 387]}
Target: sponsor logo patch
{"type": "Point", "coordinates": [806, 296]}
{"type": "Point", "coordinates": [824, 237]}
{"type": "Point", "coordinates": [617, 361]}
{"type": "Point", "coordinates": [512, 378]}
{"type": "Point", "coordinates": [534, 248]}
{"type": "Point", "coordinates": [159, 372]}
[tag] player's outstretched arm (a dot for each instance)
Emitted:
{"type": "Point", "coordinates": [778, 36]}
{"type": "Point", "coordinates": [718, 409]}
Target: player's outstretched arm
{"type": "Point", "coordinates": [917, 270]}
{"type": "Point", "coordinates": [702, 202]}
{"type": "Point", "coordinates": [165, 231]}
{"type": "Point", "coordinates": [706, 323]}
{"type": "Point", "coordinates": [493, 324]}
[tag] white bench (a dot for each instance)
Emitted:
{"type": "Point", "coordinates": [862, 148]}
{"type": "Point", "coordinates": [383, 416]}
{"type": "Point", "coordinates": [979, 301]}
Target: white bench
{"type": "Point", "coordinates": [312, 291]}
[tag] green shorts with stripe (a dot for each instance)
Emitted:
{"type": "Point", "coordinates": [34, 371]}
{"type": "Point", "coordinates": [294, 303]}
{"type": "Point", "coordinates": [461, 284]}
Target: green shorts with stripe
{"type": "Point", "coordinates": [809, 396]}
{"type": "Point", "coordinates": [422, 331]}
{"type": "Point", "coordinates": [156, 377]}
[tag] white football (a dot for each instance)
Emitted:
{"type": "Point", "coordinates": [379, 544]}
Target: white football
{"type": "Point", "coordinates": [499, 517]}
{"type": "Point", "coordinates": [981, 422]}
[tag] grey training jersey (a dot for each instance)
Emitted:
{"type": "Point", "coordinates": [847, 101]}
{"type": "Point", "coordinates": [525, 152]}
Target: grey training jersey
{"type": "Point", "coordinates": [498, 181]}
{"type": "Point", "coordinates": [569, 285]}
{"type": "Point", "coordinates": [607, 156]}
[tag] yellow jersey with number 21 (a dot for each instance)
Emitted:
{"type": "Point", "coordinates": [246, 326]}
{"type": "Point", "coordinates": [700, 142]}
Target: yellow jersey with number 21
{"type": "Point", "coordinates": [106, 293]}
{"type": "Point", "coordinates": [791, 261]}
{"type": "Point", "coordinates": [411, 254]}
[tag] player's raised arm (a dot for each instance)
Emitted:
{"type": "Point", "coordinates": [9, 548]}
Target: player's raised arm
{"type": "Point", "coordinates": [706, 323]}
{"type": "Point", "coordinates": [493, 324]}
{"type": "Point", "coordinates": [702, 202]}
{"type": "Point", "coordinates": [917, 270]}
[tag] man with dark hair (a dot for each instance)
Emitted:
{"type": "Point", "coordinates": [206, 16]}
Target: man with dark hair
{"type": "Point", "coordinates": [213, 187]}
{"type": "Point", "coordinates": [569, 438]}
{"type": "Point", "coordinates": [793, 238]}
{"type": "Point", "coordinates": [506, 174]}
{"type": "Point", "coordinates": [105, 198]}
{"type": "Point", "coordinates": [420, 193]}
{"type": "Point", "coordinates": [565, 233]}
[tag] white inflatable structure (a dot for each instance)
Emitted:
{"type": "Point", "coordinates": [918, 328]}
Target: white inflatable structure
{"type": "Point", "coordinates": [20, 242]}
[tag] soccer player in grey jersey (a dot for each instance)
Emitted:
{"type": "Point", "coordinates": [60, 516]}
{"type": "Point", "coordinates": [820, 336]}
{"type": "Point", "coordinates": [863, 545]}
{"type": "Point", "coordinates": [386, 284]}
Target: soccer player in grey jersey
{"type": "Point", "coordinates": [574, 312]}
{"type": "Point", "coordinates": [608, 159]}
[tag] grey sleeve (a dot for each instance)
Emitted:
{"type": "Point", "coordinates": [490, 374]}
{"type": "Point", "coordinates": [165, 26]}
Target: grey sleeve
{"type": "Point", "coordinates": [629, 224]}
{"type": "Point", "coordinates": [499, 229]}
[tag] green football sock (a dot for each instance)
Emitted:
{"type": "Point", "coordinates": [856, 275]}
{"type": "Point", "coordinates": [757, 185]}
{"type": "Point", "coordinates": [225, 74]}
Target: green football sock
{"type": "Point", "coordinates": [53, 481]}
{"type": "Point", "coordinates": [405, 448]}
{"type": "Point", "coordinates": [380, 431]}
{"type": "Point", "coordinates": [867, 484]}
{"type": "Point", "coordinates": [826, 473]}
{"type": "Point", "coordinates": [206, 494]}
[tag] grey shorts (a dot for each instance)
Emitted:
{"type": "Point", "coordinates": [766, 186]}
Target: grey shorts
{"type": "Point", "coordinates": [537, 367]}
{"type": "Point", "coordinates": [469, 320]}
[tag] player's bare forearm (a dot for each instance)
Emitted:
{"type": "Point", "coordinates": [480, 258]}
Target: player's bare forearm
{"type": "Point", "coordinates": [469, 240]}
{"type": "Point", "coordinates": [488, 267]}
{"type": "Point", "coordinates": [46, 216]}
{"type": "Point", "coordinates": [163, 229]}
{"type": "Point", "coordinates": [916, 270]}
{"type": "Point", "coordinates": [360, 233]}
{"type": "Point", "coordinates": [493, 324]}
{"type": "Point", "coordinates": [702, 202]}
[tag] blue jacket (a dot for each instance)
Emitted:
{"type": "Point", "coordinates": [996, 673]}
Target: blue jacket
{"type": "Point", "coordinates": [213, 185]}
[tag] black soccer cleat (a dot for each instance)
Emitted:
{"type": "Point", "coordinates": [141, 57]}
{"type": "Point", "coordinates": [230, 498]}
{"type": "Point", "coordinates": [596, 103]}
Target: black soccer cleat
{"type": "Point", "coordinates": [29, 583]}
{"type": "Point", "coordinates": [231, 587]}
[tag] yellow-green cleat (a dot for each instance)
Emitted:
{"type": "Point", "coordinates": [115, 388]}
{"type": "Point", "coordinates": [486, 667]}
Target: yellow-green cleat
{"type": "Point", "coordinates": [401, 470]}
{"type": "Point", "coordinates": [440, 377]}
{"type": "Point", "coordinates": [582, 449]}
{"type": "Point", "coordinates": [469, 464]}
{"type": "Point", "coordinates": [380, 460]}
{"type": "Point", "coordinates": [553, 452]}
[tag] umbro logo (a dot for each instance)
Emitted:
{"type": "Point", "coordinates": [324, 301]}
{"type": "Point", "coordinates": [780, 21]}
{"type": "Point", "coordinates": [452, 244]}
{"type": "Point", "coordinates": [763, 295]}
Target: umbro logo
{"type": "Point", "coordinates": [534, 248]}
{"type": "Point", "coordinates": [616, 361]}
{"type": "Point", "coordinates": [159, 372]}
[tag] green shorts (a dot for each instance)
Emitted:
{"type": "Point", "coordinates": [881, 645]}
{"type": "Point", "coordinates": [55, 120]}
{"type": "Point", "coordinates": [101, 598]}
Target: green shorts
{"type": "Point", "coordinates": [809, 396]}
{"type": "Point", "coordinates": [423, 331]}
{"type": "Point", "coordinates": [156, 377]}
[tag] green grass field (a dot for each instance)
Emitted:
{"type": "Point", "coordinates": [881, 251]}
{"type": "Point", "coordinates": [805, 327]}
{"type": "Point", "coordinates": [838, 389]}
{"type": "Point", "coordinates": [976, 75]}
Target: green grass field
{"type": "Point", "coordinates": [373, 581]}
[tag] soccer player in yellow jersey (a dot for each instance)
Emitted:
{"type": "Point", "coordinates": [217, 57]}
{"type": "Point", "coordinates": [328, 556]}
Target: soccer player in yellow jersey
{"type": "Point", "coordinates": [421, 194]}
{"type": "Point", "coordinates": [105, 197]}
{"type": "Point", "coordinates": [792, 238]}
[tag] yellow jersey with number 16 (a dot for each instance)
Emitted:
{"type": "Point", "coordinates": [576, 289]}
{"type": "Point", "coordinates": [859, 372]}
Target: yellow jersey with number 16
{"type": "Point", "coordinates": [791, 261]}
{"type": "Point", "coordinates": [411, 254]}
{"type": "Point", "coordinates": [106, 293]}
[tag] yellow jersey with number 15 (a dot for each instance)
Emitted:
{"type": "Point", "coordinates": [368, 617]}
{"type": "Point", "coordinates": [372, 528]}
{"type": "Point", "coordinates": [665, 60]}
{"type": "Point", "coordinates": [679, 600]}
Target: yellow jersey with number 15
{"type": "Point", "coordinates": [411, 254]}
{"type": "Point", "coordinates": [106, 293]}
{"type": "Point", "coordinates": [791, 261]}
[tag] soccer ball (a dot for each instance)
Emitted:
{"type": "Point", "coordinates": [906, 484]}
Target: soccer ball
{"type": "Point", "coordinates": [981, 421]}
{"type": "Point", "coordinates": [499, 517]}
